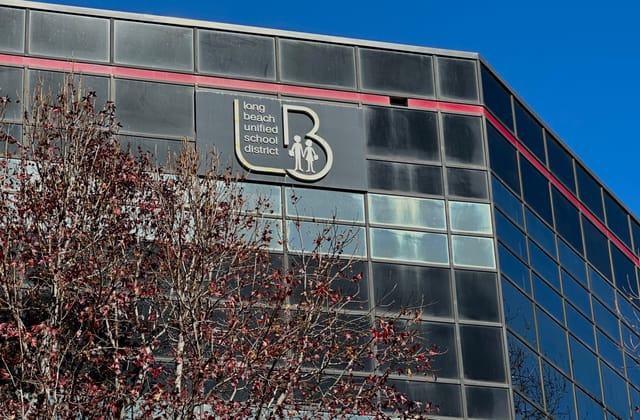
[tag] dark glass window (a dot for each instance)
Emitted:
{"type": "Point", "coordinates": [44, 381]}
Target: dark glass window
{"type": "Point", "coordinates": [572, 262]}
{"type": "Point", "coordinates": [482, 353]}
{"type": "Point", "coordinates": [558, 394]}
{"type": "Point", "coordinates": [635, 230]}
{"type": "Point", "coordinates": [606, 320]}
{"type": "Point", "coordinates": [576, 293]}
{"type": "Point", "coordinates": [513, 268]}
{"type": "Point", "coordinates": [52, 83]}
{"type": "Point", "coordinates": [397, 73]}
{"type": "Point", "coordinates": [510, 235]}
{"type": "Point", "coordinates": [525, 371]}
{"type": "Point", "coordinates": [535, 190]}
{"type": "Point", "coordinates": [530, 132]}
{"type": "Point", "coordinates": [544, 265]}
{"type": "Point", "coordinates": [567, 219]}
{"type": "Point", "coordinates": [580, 326]}
{"type": "Point", "coordinates": [402, 133]}
{"type": "Point", "coordinates": [615, 392]}
{"type": "Point", "coordinates": [12, 24]}
{"type": "Point", "coordinates": [477, 295]}
{"type": "Point", "coordinates": [541, 233]}
{"type": "Point", "coordinates": [152, 45]}
{"type": "Point", "coordinates": [496, 98]}
{"type": "Point", "coordinates": [589, 192]}
{"type": "Point", "coordinates": [467, 183]}
{"type": "Point", "coordinates": [445, 396]}
{"type": "Point", "coordinates": [443, 336]}
{"type": "Point", "coordinates": [233, 54]}
{"type": "Point", "coordinates": [404, 177]}
{"type": "Point", "coordinates": [11, 86]}
{"type": "Point", "coordinates": [617, 219]}
{"type": "Point", "coordinates": [155, 108]}
{"type": "Point", "coordinates": [317, 63]}
{"type": "Point", "coordinates": [560, 163]}
{"type": "Point", "coordinates": [597, 248]}
{"type": "Point", "coordinates": [518, 312]}
{"type": "Point", "coordinates": [503, 158]}
{"type": "Point", "coordinates": [69, 36]}
{"type": "Point", "coordinates": [588, 408]}
{"type": "Point", "coordinates": [553, 340]}
{"type": "Point", "coordinates": [610, 351]}
{"type": "Point", "coordinates": [457, 79]}
{"type": "Point", "coordinates": [585, 367]}
{"type": "Point", "coordinates": [507, 202]}
{"type": "Point", "coordinates": [161, 150]}
{"type": "Point", "coordinates": [548, 298]}
{"type": "Point", "coordinates": [624, 272]}
{"type": "Point", "coordinates": [602, 289]}
{"type": "Point", "coordinates": [401, 286]}
{"type": "Point", "coordinates": [487, 403]}
{"type": "Point", "coordinates": [462, 139]}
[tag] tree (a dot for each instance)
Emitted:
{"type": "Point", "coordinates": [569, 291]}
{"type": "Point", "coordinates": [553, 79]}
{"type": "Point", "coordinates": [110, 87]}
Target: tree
{"type": "Point", "coordinates": [131, 290]}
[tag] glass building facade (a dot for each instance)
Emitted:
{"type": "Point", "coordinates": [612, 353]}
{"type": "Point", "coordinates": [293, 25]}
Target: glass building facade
{"type": "Point", "coordinates": [454, 196]}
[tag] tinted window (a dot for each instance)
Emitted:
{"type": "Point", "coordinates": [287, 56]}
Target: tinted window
{"type": "Point", "coordinates": [553, 340]}
{"type": "Point", "coordinates": [617, 219]}
{"type": "Point", "coordinates": [615, 392]}
{"type": "Point", "coordinates": [12, 24]}
{"type": "Point", "coordinates": [463, 139]}
{"type": "Point", "coordinates": [511, 236]}
{"type": "Point", "coordinates": [525, 371]}
{"type": "Point", "coordinates": [11, 86]}
{"type": "Point", "coordinates": [407, 211]}
{"type": "Point", "coordinates": [477, 295]}
{"type": "Point", "coordinates": [544, 265]}
{"type": "Point", "coordinates": [52, 83]}
{"type": "Point", "coordinates": [317, 63]}
{"type": "Point", "coordinates": [402, 133]}
{"type": "Point", "coordinates": [513, 268]}
{"type": "Point", "coordinates": [589, 192]}
{"type": "Point", "coordinates": [325, 204]}
{"type": "Point", "coordinates": [518, 312]}
{"type": "Point", "coordinates": [541, 233]}
{"type": "Point", "coordinates": [507, 202]}
{"type": "Point", "coordinates": [161, 150]}
{"type": "Point", "coordinates": [605, 320]}
{"type": "Point", "coordinates": [580, 326]}
{"type": "Point", "coordinates": [401, 286]}
{"type": "Point", "coordinates": [487, 403]}
{"type": "Point", "coordinates": [567, 220]}
{"type": "Point", "coordinates": [588, 408]}
{"type": "Point", "coordinates": [409, 246]}
{"type": "Point", "coordinates": [585, 367]}
{"type": "Point", "coordinates": [395, 72]}
{"type": "Point", "coordinates": [503, 158]}
{"type": "Point", "coordinates": [155, 108]}
{"type": "Point", "coordinates": [405, 177]}
{"type": "Point", "coordinates": [236, 54]}
{"type": "Point", "coordinates": [576, 294]}
{"type": "Point", "coordinates": [467, 183]}
{"type": "Point", "coordinates": [610, 352]}
{"type": "Point", "coordinates": [326, 238]}
{"type": "Point", "coordinates": [560, 163]}
{"type": "Point", "coordinates": [445, 396]}
{"type": "Point", "coordinates": [152, 45]}
{"type": "Point", "coordinates": [443, 337]}
{"type": "Point", "coordinates": [535, 189]}
{"type": "Point", "coordinates": [573, 263]}
{"type": "Point", "coordinates": [624, 272]}
{"type": "Point", "coordinates": [597, 248]}
{"type": "Point", "coordinates": [69, 36]}
{"type": "Point", "coordinates": [482, 353]}
{"type": "Point", "coordinates": [457, 79]}
{"type": "Point", "coordinates": [530, 132]}
{"type": "Point", "coordinates": [635, 230]}
{"type": "Point", "coordinates": [497, 98]}
{"type": "Point", "coordinates": [548, 298]}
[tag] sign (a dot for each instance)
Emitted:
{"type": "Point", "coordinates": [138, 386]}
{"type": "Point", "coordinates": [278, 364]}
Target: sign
{"type": "Point", "coordinates": [284, 140]}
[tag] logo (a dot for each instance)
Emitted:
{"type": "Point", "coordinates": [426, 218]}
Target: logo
{"type": "Point", "coordinates": [282, 139]}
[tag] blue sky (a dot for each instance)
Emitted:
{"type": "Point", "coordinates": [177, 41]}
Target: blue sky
{"type": "Point", "coordinates": [576, 63]}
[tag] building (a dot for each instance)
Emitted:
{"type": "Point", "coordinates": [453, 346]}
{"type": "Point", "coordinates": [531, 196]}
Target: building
{"type": "Point", "coordinates": [464, 202]}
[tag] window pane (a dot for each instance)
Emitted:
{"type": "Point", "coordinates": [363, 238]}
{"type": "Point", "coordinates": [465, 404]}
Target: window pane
{"type": "Point", "coordinates": [511, 236]}
{"type": "Point", "coordinates": [477, 295]}
{"type": "Point", "coordinates": [467, 183]}
{"type": "Point", "coordinates": [602, 289]}
{"type": "Point", "coordinates": [11, 86]}
{"type": "Point", "coordinates": [348, 240]}
{"type": "Point", "coordinates": [606, 320]}
{"type": "Point", "coordinates": [325, 204]}
{"type": "Point", "coordinates": [572, 262]}
{"type": "Point", "coordinates": [525, 370]}
{"type": "Point", "coordinates": [558, 393]}
{"type": "Point", "coordinates": [530, 132]}
{"type": "Point", "coordinates": [624, 272]}
{"type": "Point", "coordinates": [567, 220]}
{"type": "Point", "coordinates": [548, 298]}
{"type": "Point", "coordinates": [409, 246]}
{"type": "Point", "coordinates": [503, 158]}
{"type": "Point", "coordinates": [553, 340]}
{"type": "Point", "coordinates": [497, 98]}
{"type": "Point", "coordinates": [541, 233]}
{"type": "Point", "coordinates": [402, 133]}
{"type": "Point", "coordinates": [471, 251]}
{"type": "Point", "coordinates": [397, 73]}
{"type": "Point", "coordinates": [487, 403]}
{"type": "Point", "coordinates": [597, 247]}
{"type": "Point", "coordinates": [470, 217]}
{"type": "Point", "coordinates": [610, 351]}
{"type": "Point", "coordinates": [12, 24]}
{"type": "Point", "coordinates": [576, 294]}
{"type": "Point", "coordinates": [233, 54]}
{"type": "Point", "coordinates": [407, 211]}
{"type": "Point", "coordinates": [317, 63]}
{"type": "Point", "coordinates": [463, 139]}
{"type": "Point", "coordinates": [580, 326]}
{"type": "Point", "coordinates": [615, 392]}
{"type": "Point", "coordinates": [585, 368]}
{"type": "Point", "coordinates": [589, 192]}
{"type": "Point", "coordinates": [443, 337]}
{"type": "Point", "coordinates": [457, 79]}
{"type": "Point", "coordinates": [263, 197]}
{"type": "Point", "coordinates": [588, 408]}
{"type": "Point", "coordinates": [403, 286]}
{"type": "Point", "coordinates": [535, 190]}
{"type": "Point", "coordinates": [560, 163]}
{"type": "Point", "coordinates": [445, 396]}
{"type": "Point", "coordinates": [155, 108]}
{"type": "Point", "coordinates": [161, 150]}
{"type": "Point", "coordinates": [152, 45]}
{"type": "Point", "coordinates": [404, 177]}
{"type": "Point", "coordinates": [482, 353]}
{"type": "Point", "coordinates": [507, 202]}
{"type": "Point", "coordinates": [513, 268]}
{"type": "Point", "coordinates": [544, 265]}
{"type": "Point", "coordinates": [69, 36]}
{"type": "Point", "coordinates": [52, 83]}
{"type": "Point", "coordinates": [617, 219]}
{"type": "Point", "coordinates": [518, 312]}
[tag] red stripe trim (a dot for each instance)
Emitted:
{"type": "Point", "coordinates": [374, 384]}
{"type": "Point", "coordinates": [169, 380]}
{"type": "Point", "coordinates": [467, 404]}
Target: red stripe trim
{"type": "Point", "coordinates": [166, 76]}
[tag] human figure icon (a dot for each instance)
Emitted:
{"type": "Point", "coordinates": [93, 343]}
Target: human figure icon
{"type": "Point", "coordinates": [297, 152]}
{"type": "Point", "coordinates": [310, 156]}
